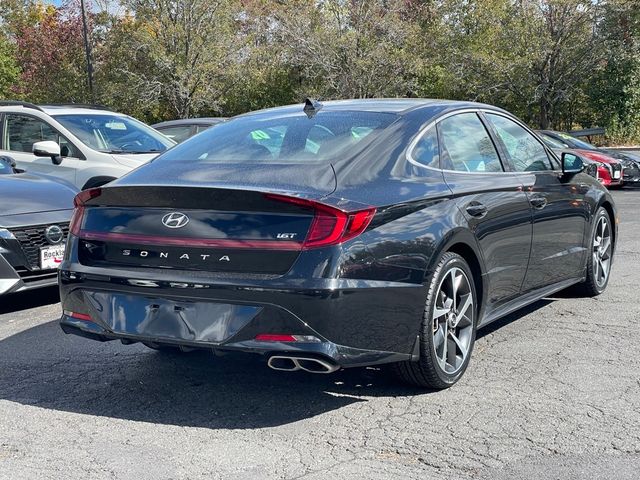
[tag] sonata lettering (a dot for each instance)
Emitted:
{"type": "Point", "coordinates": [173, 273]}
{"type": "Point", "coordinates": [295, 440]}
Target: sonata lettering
{"type": "Point", "coordinates": [167, 255]}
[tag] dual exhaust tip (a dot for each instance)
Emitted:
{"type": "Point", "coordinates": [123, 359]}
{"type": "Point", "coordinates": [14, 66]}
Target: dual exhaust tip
{"type": "Point", "coordinates": [292, 364]}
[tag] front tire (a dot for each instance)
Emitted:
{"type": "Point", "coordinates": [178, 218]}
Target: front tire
{"type": "Point", "coordinates": [601, 255]}
{"type": "Point", "coordinates": [448, 329]}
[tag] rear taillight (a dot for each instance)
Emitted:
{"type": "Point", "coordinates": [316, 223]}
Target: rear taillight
{"type": "Point", "coordinates": [78, 213]}
{"type": "Point", "coordinates": [330, 225]}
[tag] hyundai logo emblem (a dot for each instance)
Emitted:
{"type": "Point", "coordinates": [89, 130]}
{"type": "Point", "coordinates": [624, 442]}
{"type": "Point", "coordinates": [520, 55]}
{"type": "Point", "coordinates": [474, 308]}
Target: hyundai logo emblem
{"type": "Point", "coordinates": [54, 234]}
{"type": "Point", "coordinates": [175, 220]}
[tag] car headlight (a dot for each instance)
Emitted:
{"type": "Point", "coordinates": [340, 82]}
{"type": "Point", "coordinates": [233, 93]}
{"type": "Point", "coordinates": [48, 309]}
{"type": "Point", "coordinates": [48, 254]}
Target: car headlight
{"type": "Point", "coordinates": [4, 233]}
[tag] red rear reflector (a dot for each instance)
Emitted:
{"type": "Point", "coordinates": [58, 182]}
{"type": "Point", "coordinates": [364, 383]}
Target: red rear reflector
{"type": "Point", "coordinates": [269, 337]}
{"type": "Point", "coordinates": [279, 337]}
{"type": "Point", "coordinates": [78, 316]}
{"type": "Point", "coordinates": [330, 225]}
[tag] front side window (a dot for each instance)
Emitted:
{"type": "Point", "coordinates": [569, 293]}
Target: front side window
{"type": "Point", "coordinates": [467, 146]}
{"type": "Point", "coordinates": [22, 131]}
{"type": "Point", "coordinates": [326, 137]}
{"type": "Point", "coordinates": [526, 153]}
{"type": "Point", "coordinates": [114, 133]}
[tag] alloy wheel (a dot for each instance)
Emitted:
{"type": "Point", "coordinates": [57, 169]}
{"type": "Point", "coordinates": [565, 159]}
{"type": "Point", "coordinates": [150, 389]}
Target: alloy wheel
{"type": "Point", "coordinates": [602, 251]}
{"type": "Point", "coordinates": [452, 320]}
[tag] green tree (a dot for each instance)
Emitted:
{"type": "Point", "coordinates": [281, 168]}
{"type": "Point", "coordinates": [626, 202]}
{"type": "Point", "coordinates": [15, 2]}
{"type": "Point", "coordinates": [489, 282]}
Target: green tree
{"type": "Point", "coordinates": [614, 89]}
{"type": "Point", "coordinates": [530, 56]}
{"type": "Point", "coordinates": [179, 54]}
{"type": "Point", "coordinates": [50, 54]}
{"type": "Point", "coordinates": [9, 70]}
{"type": "Point", "coordinates": [354, 49]}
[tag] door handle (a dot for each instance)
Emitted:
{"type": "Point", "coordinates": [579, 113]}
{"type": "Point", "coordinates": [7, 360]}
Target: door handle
{"type": "Point", "coordinates": [476, 209]}
{"type": "Point", "coordinates": [538, 201]}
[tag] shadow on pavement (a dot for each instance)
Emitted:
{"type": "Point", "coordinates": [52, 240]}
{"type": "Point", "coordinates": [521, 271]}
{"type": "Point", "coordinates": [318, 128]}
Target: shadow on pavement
{"type": "Point", "coordinates": [30, 299]}
{"type": "Point", "coordinates": [43, 367]}
{"type": "Point", "coordinates": [512, 317]}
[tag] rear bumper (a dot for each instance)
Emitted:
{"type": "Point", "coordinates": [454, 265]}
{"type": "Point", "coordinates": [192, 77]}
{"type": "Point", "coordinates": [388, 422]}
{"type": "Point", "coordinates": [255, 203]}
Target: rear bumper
{"type": "Point", "coordinates": [351, 322]}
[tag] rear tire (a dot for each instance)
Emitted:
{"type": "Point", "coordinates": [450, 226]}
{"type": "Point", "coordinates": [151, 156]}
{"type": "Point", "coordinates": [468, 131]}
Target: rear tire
{"type": "Point", "coordinates": [600, 255]}
{"type": "Point", "coordinates": [448, 328]}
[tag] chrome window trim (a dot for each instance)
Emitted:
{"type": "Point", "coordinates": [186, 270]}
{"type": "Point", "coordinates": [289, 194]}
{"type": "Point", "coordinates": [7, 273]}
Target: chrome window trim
{"type": "Point", "coordinates": [423, 132]}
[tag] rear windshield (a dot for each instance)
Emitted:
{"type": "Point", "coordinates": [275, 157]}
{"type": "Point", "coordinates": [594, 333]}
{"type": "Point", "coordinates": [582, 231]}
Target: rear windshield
{"type": "Point", "coordinates": [550, 141]}
{"type": "Point", "coordinates": [281, 139]}
{"type": "Point", "coordinates": [575, 142]}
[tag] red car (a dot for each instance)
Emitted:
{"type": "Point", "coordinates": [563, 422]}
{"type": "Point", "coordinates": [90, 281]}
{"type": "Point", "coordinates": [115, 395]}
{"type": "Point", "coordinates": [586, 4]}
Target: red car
{"type": "Point", "coordinates": [609, 169]}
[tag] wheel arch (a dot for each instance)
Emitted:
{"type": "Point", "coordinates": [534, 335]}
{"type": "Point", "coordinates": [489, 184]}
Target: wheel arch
{"type": "Point", "coordinates": [608, 206]}
{"type": "Point", "coordinates": [462, 242]}
{"type": "Point", "coordinates": [469, 255]}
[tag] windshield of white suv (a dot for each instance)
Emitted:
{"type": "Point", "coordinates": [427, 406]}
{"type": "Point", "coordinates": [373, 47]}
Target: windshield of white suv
{"type": "Point", "coordinates": [115, 133]}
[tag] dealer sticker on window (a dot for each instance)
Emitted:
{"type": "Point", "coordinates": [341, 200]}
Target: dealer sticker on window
{"type": "Point", "coordinates": [616, 174]}
{"type": "Point", "coordinates": [51, 257]}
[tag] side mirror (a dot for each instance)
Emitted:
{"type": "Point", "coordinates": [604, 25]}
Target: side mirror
{"type": "Point", "coordinates": [48, 148]}
{"type": "Point", "coordinates": [7, 163]}
{"type": "Point", "coordinates": [571, 163]}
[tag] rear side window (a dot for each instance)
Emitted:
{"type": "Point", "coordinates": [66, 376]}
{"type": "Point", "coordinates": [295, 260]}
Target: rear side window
{"type": "Point", "coordinates": [467, 146]}
{"type": "Point", "coordinates": [178, 133]}
{"type": "Point", "coordinates": [426, 150]}
{"type": "Point", "coordinates": [525, 151]}
{"type": "Point", "coordinates": [284, 138]}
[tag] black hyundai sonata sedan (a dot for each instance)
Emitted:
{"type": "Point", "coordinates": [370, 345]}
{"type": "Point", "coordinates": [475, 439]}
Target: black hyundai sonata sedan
{"type": "Point", "coordinates": [337, 235]}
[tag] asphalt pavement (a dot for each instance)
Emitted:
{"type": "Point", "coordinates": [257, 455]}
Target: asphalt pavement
{"type": "Point", "coordinates": [552, 392]}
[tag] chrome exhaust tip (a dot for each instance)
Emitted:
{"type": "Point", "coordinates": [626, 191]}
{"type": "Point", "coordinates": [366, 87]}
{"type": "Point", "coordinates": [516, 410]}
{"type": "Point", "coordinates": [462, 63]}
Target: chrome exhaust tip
{"type": "Point", "coordinates": [292, 364]}
{"type": "Point", "coordinates": [284, 364]}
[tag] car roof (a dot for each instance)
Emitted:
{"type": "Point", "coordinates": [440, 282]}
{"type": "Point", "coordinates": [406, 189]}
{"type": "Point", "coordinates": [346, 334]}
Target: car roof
{"type": "Point", "coordinates": [384, 105]}
{"type": "Point", "coordinates": [58, 109]}
{"type": "Point", "coordinates": [71, 110]}
{"type": "Point", "coordinates": [190, 121]}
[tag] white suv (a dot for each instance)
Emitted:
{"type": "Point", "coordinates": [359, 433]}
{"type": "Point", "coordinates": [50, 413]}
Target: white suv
{"type": "Point", "coordinates": [85, 145]}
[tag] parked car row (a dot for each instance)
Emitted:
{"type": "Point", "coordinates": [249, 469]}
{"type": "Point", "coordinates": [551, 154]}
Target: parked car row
{"type": "Point", "coordinates": [180, 130]}
{"type": "Point", "coordinates": [613, 168]}
{"type": "Point", "coordinates": [320, 236]}
{"type": "Point", "coordinates": [34, 223]}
